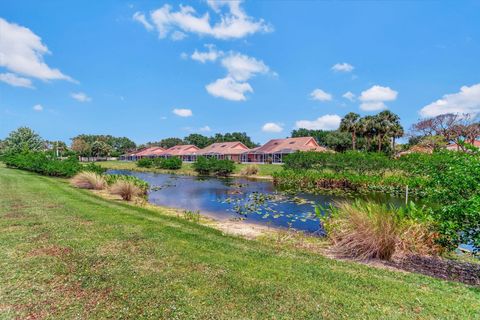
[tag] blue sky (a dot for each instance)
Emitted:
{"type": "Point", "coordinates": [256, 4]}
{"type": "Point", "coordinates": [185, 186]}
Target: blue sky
{"type": "Point", "coordinates": [155, 69]}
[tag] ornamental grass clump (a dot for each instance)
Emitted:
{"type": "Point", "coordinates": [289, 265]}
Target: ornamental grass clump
{"type": "Point", "coordinates": [89, 180]}
{"type": "Point", "coordinates": [250, 170]}
{"type": "Point", "coordinates": [125, 189]}
{"type": "Point", "coordinates": [365, 230]}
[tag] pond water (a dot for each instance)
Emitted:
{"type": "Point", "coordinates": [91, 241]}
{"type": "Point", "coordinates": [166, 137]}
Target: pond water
{"type": "Point", "coordinates": [255, 201]}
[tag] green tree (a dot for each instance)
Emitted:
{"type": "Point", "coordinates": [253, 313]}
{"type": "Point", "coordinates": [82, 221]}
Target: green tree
{"type": "Point", "coordinates": [318, 135]}
{"type": "Point", "coordinates": [350, 124]}
{"type": "Point", "coordinates": [23, 139]}
{"type": "Point", "coordinates": [198, 140]}
{"type": "Point", "coordinates": [81, 147]}
{"type": "Point", "coordinates": [101, 149]}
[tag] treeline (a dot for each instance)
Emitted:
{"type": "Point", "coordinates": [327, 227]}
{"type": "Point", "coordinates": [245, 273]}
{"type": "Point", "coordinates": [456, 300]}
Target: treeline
{"type": "Point", "coordinates": [370, 133]}
{"type": "Point", "coordinates": [202, 141]}
{"type": "Point", "coordinates": [90, 145]}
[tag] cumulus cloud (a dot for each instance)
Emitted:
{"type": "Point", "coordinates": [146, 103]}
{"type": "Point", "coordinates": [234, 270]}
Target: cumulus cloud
{"type": "Point", "coordinates": [320, 95]}
{"type": "Point", "coordinates": [373, 99]}
{"type": "Point", "coordinates": [240, 68]}
{"type": "Point", "coordinates": [230, 89]}
{"type": "Point", "coordinates": [349, 96]}
{"type": "Point", "coordinates": [205, 129]}
{"type": "Point", "coordinates": [343, 67]}
{"type": "Point", "coordinates": [38, 107]}
{"type": "Point", "coordinates": [272, 127]}
{"type": "Point", "coordinates": [211, 55]}
{"type": "Point", "coordinates": [467, 101]}
{"type": "Point", "coordinates": [140, 17]}
{"type": "Point", "coordinates": [16, 81]}
{"type": "Point", "coordinates": [182, 112]}
{"type": "Point", "coordinates": [326, 122]}
{"type": "Point", "coordinates": [232, 21]}
{"type": "Point", "coordinates": [81, 97]}
{"type": "Point", "coordinates": [22, 51]}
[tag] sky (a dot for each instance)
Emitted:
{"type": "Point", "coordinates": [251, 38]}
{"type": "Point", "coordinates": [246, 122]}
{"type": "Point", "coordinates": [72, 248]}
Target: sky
{"type": "Point", "coordinates": [155, 69]}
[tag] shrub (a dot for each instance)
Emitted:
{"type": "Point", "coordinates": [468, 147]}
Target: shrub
{"type": "Point", "coordinates": [172, 163]}
{"type": "Point", "coordinates": [250, 170]}
{"type": "Point", "coordinates": [89, 180]}
{"type": "Point", "coordinates": [126, 189]}
{"type": "Point", "coordinates": [364, 230]}
{"type": "Point", "coordinates": [43, 163]}
{"type": "Point", "coordinates": [141, 184]}
{"type": "Point", "coordinates": [205, 166]}
{"type": "Point", "coordinates": [92, 167]}
{"type": "Point", "coordinates": [145, 163]}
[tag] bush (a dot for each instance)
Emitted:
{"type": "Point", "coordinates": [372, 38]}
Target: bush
{"type": "Point", "coordinates": [205, 166]}
{"type": "Point", "coordinates": [145, 163]}
{"type": "Point", "coordinates": [172, 163]}
{"type": "Point", "coordinates": [89, 180]}
{"type": "Point", "coordinates": [43, 163]}
{"type": "Point", "coordinates": [92, 167]}
{"type": "Point", "coordinates": [126, 189]}
{"type": "Point", "coordinates": [141, 184]}
{"type": "Point", "coordinates": [368, 230]}
{"type": "Point", "coordinates": [250, 170]}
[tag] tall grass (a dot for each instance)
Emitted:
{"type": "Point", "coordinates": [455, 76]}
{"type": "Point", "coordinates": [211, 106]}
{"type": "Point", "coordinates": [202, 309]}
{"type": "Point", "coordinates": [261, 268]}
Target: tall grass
{"type": "Point", "coordinates": [89, 180]}
{"type": "Point", "coordinates": [125, 189]}
{"type": "Point", "coordinates": [364, 230]}
{"type": "Point", "coordinates": [250, 170]}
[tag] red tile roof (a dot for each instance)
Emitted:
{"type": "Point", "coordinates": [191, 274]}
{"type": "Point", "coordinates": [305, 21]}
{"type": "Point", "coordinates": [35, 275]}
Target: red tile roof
{"type": "Point", "coordinates": [289, 145]}
{"type": "Point", "coordinates": [180, 150]}
{"type": "Point", "coordinates": [150, 151]}
{"type": "Point", "coordinates": [235, 147]}
{"type": "Point", "coordinates": [454, 146]}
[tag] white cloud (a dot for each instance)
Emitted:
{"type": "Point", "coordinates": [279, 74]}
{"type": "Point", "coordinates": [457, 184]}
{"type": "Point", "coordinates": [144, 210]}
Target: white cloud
{"type": "Point", "coordinates": [272, 127]}
{"type": "Point", "coordinates": [183, 112]}
{"type": "Point", "coordinates": [349, 96]}
{"type": "Point", "coordinates": [233, 22]}
{"type": "Point", "coordinates": [343, 67]}
{"type": "Point", "coordinates": [467, 101]}
{"type": "Point", "coordinates": [22, 51]}
{"type": "Point", "coordinates": [326, 122]}
{"type": "Point", "coordinates": [242, 67]}
{"type": "Point", "coordinates": [205, 129]}
{"type": "Point", "coordinates": [211, 55]}
{"type": "Point", "coordinates": [140, 17]}
{"type": "Point", "coordinates": [373, 99]}
{"type": "Point", "coordinates": [320, 95]}
{"type": "Point", "coordinates": [373, 106]}
{"type": "Point", "coordinates": [38, 107]}
{"type": "Point", "coordinates": [81, 97]}
{"type": "Point", "coordinates": [379, 93]}
{"type": "Point", "coordinates": [178, 35]}
{"type": "Point", "coordinates": [16, 81]}
{"type": "Point", "coordinates": [230, 89]}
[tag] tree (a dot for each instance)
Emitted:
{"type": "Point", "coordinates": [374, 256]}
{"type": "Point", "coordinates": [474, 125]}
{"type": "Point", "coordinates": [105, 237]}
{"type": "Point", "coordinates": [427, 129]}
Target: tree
{"type": "Point", "coordinates": [81, 147]}
{"type": "Point", "coordinates": [338, 141]}
{"type": "Point", "coordinates": [198, 140]}
{"type": "Point", "coordinates": [169, 142]}
{"type": "Point", "coordinates": [349, 124]}
{"type": "Point", "coordinates": [119, 145]}
{"type": "Point", "coordinates": [318, 135]}
{"type": "Point", "coordinates": [366, 128]}
{"type": "Point", "coordinates": [234, 136]}
{"type": "Point", "coordinates": [100, 149]}
{"type": "Point", "coordinates": [387, 125]}
{"type": "Point", "coordinates": [23, 139]}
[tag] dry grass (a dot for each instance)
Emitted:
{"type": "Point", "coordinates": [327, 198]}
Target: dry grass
{"type": "Point", "coordinates": [373, 231]}
{"type": "Point", "coordinates": [126, 189]}
{"type": "Point", "coordinates": [250, 170]}
{"type": "Point", "coordinates": [89, 180]}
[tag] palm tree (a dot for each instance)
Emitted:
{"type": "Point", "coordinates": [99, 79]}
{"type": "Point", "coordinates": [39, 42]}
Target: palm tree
{"type": "Point", "coordinates": [388, 125]}
{"type": "Point", "coordinates": [350, 124]}
{"type": "Point", "coordinates": [366, 128]}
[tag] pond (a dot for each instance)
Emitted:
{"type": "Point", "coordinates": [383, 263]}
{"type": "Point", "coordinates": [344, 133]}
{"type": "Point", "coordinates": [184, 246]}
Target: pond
{"type": "Point", "coordinates": [255, 201]}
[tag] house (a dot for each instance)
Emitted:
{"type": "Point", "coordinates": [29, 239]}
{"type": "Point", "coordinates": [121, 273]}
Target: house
{"type": "Point", "coordinates": [456, 147]}
{"type": "Point", "coordinates": [186, 152]}
{"type": "Point", "coordinates": [150, 152]}
{"type": "Point", "coordinates": [224, 150]}
{"type": "Point", "coordinates": [274, 150]}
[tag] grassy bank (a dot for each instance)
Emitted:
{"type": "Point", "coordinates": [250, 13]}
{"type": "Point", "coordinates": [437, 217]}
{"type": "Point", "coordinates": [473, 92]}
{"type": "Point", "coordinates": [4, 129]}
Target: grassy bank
{"type": "Point", "coordinates": [265, 170]}
{"type": "Point", "coordinates": [65, 253]}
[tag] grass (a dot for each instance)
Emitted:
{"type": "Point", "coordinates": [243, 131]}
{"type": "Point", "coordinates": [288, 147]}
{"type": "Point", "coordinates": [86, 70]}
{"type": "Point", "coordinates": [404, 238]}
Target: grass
{"type": "Point", "coordinates": [66, 253]}
{"type": "Point", "coordinates": [265, 170]}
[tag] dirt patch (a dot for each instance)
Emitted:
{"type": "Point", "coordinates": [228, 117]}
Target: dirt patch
{"type": "Point", "coordinates": [468, 273]}
{"type": "Point", "coordinates": [241, 228]}
{"type": "Point", "coordinates": [52, 251]}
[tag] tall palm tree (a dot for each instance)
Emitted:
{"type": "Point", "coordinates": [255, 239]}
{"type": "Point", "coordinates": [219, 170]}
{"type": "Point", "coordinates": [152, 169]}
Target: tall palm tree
{"type": "Point", "coordinates": [350, 124]}
{"type": "Point", "coordinates": [366, 128]}
{"type": "Point", "coordinates": [387, 125]}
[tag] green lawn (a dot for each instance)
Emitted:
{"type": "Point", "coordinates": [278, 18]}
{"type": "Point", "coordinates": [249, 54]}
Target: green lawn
{"type": "Point", "coordinates": [66, 253]}
{"type": "Point", "coordinates": [265, 170]}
